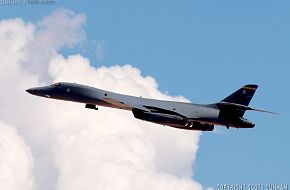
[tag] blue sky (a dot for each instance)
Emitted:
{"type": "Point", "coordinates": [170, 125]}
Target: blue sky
{"type": "Point", "coordinates": [203, 50]}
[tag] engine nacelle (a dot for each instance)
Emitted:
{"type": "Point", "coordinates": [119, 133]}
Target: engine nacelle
{"type": "Point", "coordinates": [161, 118]}
{"type": "Point", "coordinates": [199, 126]}
{"type": "Point", "coordinates": [175, 121]}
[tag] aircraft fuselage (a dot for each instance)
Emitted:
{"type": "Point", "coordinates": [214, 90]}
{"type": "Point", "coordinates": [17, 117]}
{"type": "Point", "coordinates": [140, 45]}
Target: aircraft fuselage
{"type": "Point", "coordinates": [175, 114]}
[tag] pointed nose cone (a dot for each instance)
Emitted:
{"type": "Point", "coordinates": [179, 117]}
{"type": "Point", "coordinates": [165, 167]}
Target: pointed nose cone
{"type": "Point", "coordinates": [34, 91]}
{"type": "Point", "coordinates": [39, 91]}
{"type": "Point", "coordinates": [30, 91]}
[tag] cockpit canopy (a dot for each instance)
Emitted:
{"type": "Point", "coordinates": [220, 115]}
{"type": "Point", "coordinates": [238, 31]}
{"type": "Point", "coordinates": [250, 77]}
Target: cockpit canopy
{"type": "Point", "coordinates": [56, 84]}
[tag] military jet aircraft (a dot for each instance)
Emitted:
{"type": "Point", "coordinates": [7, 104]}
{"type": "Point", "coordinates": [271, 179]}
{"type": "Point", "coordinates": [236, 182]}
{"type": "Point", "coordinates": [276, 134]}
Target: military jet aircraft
{"type": "Point", "coordinates": [228, 112]}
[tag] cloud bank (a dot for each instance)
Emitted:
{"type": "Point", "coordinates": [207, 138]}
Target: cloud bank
{"type": "Point", "coordinates": [49, 144]}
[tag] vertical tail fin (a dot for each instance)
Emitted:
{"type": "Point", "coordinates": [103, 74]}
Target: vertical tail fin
{"type": "Point", "coordinates": [242, 96]}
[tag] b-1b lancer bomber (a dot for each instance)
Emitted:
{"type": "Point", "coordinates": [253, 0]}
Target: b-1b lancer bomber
{"type": "Point", "coordinates": [228, 112]}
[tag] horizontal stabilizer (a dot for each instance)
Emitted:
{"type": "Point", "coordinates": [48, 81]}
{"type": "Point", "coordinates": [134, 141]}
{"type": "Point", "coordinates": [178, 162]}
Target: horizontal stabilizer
{"type": "Point", "coordinates": [263, 111]}
{"type": "Point", "coordinates": [240, 107]}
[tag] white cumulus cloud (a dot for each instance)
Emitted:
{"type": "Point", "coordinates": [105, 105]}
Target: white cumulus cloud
{"type": "Point", "coordinates": [51, 144]}
{"type": "Point", "coordinates": [16, 160]}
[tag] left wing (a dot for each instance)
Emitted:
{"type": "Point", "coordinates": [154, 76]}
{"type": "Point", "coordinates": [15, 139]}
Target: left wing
{"type": "Point", "coordinates": [122, 105]}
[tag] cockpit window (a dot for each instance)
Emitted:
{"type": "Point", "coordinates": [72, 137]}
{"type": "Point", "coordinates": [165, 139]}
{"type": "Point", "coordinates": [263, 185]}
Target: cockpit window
{"type": "Point", "coordinates": [57, 84]}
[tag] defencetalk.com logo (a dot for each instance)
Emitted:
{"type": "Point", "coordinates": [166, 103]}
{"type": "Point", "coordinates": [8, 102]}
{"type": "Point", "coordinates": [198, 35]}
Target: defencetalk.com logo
{"type": "Point", "coordinates": [27, 2]}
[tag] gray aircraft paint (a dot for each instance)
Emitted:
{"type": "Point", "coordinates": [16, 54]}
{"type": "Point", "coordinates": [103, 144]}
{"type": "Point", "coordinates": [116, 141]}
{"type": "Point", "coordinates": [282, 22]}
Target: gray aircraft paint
{"type": "Point", "coordinates": [175, 114]}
